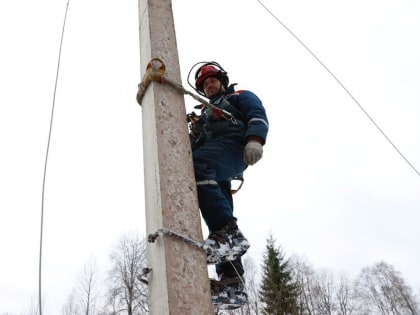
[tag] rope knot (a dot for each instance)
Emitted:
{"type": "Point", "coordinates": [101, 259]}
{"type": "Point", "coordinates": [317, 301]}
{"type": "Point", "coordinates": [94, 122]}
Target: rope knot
{"type": "Point", "coordinates": [154, 72]}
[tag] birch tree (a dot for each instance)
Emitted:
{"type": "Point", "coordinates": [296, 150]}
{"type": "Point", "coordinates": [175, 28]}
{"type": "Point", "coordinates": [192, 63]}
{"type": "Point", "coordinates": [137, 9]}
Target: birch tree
{"type": "Point", "coordinates": [384, 289]}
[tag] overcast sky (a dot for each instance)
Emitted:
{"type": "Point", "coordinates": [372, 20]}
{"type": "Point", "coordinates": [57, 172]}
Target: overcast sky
{"type": "Point", "coordinates": [330, 187]}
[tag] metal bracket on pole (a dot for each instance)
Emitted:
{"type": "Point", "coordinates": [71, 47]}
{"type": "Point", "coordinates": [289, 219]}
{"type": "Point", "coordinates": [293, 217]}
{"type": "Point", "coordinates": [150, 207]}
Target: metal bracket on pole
{"type": "Point", "coordinates": [142, 277]}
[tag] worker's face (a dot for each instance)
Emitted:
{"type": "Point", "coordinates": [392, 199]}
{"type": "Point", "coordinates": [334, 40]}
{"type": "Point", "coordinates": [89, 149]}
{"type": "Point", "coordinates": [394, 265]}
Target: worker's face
{"type": "Point", "coordinates": [212, 86]}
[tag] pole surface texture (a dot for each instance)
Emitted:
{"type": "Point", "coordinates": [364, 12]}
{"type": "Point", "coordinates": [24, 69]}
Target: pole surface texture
{"type": "Point", "coordinates": [178, 282]}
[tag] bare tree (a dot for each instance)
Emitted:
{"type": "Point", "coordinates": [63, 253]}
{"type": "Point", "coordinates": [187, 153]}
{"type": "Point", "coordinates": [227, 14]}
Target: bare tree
{"type": "Point", "coordinates": [71, 307]}
{"type": "Point", "coordinates": [84, 297]}
{"type": "Point", "coordinates": [346, 297]}
{"type": "Point", "coordinates": [252, 288]}
{"type": "Point", "coordinates": [125, 292]}
{"type": "Point", "coordinates": [321, 294]}
{"type": "Point", "coordinates": [386, 291]}
{"type": "Point", "coordinates": [88, 288]}
{"type": "Point", "coordinates": [324, 293]}
{"type": "Point", "coordinates": [304, 276]}
{"type": "Point", "coordinates": [111, 304]}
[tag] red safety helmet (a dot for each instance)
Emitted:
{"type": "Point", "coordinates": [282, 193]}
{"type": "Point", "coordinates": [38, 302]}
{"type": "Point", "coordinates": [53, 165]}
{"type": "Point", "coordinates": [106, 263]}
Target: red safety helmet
{"type": "Point", "coordinates": [210, 69]}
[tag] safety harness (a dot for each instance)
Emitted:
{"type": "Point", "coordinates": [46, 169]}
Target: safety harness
{"type": "Point", "coordinates": [212, 123]}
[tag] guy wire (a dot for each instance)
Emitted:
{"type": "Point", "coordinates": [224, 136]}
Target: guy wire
{"type": "Point", "coordinates": [45, 167]}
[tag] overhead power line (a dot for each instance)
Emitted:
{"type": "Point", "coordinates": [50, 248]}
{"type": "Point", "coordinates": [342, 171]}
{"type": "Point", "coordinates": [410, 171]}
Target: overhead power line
{"type": "Point", "coordinates": [341, 84]}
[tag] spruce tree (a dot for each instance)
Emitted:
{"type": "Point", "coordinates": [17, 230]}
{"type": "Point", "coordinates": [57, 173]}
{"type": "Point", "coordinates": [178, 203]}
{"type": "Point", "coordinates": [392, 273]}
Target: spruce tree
{"type": "Point", "coordinates": [278, 291]}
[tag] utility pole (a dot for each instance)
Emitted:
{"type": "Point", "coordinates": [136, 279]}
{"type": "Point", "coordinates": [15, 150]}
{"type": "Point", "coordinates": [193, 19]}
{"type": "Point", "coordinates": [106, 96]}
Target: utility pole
{"type": "Point", "coordinates": [178, 282]}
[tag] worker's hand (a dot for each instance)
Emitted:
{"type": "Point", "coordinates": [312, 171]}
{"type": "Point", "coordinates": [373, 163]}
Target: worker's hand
{"type": "Point", "coordinates": [253, 152]}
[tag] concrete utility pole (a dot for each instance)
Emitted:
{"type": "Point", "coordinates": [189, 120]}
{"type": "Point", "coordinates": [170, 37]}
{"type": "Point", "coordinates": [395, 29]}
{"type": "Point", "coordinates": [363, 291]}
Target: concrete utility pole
{"type": "Point", "coordinates": [178, 282]}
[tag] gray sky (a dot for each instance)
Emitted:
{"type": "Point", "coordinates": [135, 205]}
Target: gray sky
{"type": "Point", "coordinates": [330, 187]}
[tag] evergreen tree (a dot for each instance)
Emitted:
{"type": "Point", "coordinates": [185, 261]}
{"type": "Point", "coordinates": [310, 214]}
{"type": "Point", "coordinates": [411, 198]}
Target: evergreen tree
{"type": "Point", "coordinates": [278, 291]}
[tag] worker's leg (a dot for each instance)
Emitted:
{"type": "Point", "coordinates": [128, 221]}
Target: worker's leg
{"type": "Point", "coordinates": [214, 164]}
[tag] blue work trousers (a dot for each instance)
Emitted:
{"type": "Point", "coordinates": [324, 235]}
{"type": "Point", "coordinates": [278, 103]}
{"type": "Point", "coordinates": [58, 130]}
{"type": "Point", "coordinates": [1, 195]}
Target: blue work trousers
{"type": "Point", "coordinates": [215, 163]}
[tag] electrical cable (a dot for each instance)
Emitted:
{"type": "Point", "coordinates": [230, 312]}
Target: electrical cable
{"type": "Point", "coordinates": [45, 167]}
{"type": "Point", "coordinates": [341, 84]}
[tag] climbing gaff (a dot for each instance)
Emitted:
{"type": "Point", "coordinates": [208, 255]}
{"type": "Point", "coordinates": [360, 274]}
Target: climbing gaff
{"type": "Point", "coordinates": [154, 72]}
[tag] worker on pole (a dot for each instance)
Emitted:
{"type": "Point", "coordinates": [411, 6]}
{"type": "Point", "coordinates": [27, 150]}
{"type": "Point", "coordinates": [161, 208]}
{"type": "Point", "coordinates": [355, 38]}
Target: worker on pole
{"type": "Point", "coordinates": [225, 139]}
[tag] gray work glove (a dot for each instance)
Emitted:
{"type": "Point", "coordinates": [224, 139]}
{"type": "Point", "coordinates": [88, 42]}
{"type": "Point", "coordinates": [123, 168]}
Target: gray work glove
{"type": "Point", "coordinates": [253, 152]}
